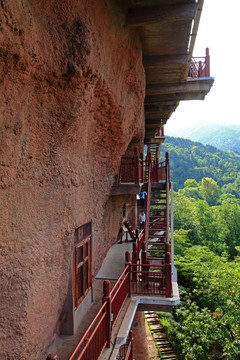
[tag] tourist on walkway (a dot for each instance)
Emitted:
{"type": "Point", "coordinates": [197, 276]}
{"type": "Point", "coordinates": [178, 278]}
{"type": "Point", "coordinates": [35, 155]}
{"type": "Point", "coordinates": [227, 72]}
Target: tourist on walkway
{"type": "Point", "coordinates": [142, 219]}
{"type": "Point", "coordinates": [143, 195]}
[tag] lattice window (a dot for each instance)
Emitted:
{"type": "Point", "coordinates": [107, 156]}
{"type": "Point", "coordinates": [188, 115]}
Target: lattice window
{"type": "Point", "coordinates": [82, 263]}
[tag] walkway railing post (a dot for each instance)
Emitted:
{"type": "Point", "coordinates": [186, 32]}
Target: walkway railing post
{"type": "Point", "coordinates": [137, 242]}
{"type": "Point", "coordinates": [132, 347]}
{"type": "Point", "coordinates": [141, 166]}
{"type": "Point", "coordinates": [156, 171]}
{"type": "Point", "coordinates": [106, 297]}
{"type": "Point", "coordinates": [207, 63]}
{"type": "Point", "coordinates": [144, 260]}
{"type": "Point", "coordinates": [128, 263]}
{"type": "Point", "coordinates": [136, 165]}
{"type": "Point", "coordinates": [134, 261]}
{"type": "Point", "coordinates": [168, 268]}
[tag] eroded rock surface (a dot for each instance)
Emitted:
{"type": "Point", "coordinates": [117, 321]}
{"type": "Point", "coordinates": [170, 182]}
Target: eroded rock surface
{"type": "Point", "coordinates": [72, 90]}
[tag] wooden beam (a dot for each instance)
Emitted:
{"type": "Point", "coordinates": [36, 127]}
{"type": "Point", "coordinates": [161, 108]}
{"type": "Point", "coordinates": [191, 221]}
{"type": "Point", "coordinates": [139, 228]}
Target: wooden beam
{"type": "Point", "coordinates": [177, 97]}
{"type": "Point", "coordinates": [164, 13]}
{"type": "Point", "coordinates": [164, 60]}
{"type": "Point", "coordinates": [188, 86]}
{"type": "Point", "coordinates": [160, 108]}
{"type": "Point", "coordinates": [156, 122]}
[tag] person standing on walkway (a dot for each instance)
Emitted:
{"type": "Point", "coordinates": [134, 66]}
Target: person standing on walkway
{"type": "Point", "coordinates": [143, 195]}
{"type": "Point", "coordinates": [142, 219]}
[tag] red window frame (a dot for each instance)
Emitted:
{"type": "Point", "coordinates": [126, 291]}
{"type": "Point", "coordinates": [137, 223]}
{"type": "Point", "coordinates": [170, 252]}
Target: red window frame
{"type": "Point", "coordinates": [82, 279]}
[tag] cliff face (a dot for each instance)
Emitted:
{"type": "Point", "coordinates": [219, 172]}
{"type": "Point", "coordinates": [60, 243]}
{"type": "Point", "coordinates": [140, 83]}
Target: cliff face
{"type": "Point", "coordinates": [72, 90]}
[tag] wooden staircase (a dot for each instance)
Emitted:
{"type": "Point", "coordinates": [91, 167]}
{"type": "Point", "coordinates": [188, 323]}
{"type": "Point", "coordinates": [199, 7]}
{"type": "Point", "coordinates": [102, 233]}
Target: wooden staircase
{"type": "Point", "coordinates": [157, 223]}
{"type": "Point", "coordinates": [163, 345]}
{"type": "Point", "coordinates": [154, 150]}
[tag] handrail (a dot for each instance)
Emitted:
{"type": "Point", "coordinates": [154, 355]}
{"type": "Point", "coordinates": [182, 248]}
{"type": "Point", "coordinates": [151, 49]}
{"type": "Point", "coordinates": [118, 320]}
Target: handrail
{"type": "Point", "coordinates": [136, 278]}
{"type": "Point", "coordinates": [126, 350]}
{"type": "Point", "coordinates": [131, 233]}
{"type": "Point", "coordinates": [146, 280]}
{"type": "Point", "coordinates": [148, 197]}
{"type": "Point", "coordinates": [200, 66]}
{"type": "Point", "coordinates": [131, 168]}
{"type": "Point", "coordinates": [86, 338]}
{"type": "Point", "coordinates": [119, 293]}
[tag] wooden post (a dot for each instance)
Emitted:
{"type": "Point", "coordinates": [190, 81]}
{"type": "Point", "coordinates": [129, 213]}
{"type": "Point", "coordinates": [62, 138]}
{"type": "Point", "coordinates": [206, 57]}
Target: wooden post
{"type": "Point", "coordinates": [128, 263]}
{"type": "Point", "coordinates": [136, 165]}
{"type": "Point", "coordinates": [141, 166]}
{"type": "Point", "coordinates": [167, 198]}
{"type": "Point", "coordinates": [207, 63]}
{"type": "Point", "coordinates": [156, 171]}
{"type": "Point", "coordinates": [134, 261]}
{"type": "Point", "coordinates": [106, 297]}
{"type": "Point", "coordinates": [168, 268]}
{"type": "Point", "coordinates": [144, 260]}
{"type": "Point", "coordinates": [121, 234]}
{"type": "Point", "coordinates": [137, 242]}
{"type": "Point", "coordinates": [132, 347]}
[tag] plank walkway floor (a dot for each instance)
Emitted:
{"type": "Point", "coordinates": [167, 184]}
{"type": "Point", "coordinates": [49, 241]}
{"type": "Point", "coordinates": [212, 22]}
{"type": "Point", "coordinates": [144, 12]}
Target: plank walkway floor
{"type": "Point", "coordinates": [166, 351]}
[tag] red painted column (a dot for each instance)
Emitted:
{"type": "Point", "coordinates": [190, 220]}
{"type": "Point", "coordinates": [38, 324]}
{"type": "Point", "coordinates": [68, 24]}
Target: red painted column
{"type": "Point", "coordinates": [207, 63]}
{"type": "Point", "coordinates": [136, 165]}
{"type": "Point", "coordinates": [132, 347]}
{"type": "Point", "coordinates": [134, 261]}
{"type": "Point", "coordinates": [128, 263]}
{"type": "Point", "coordinates": [141, 167]}
{"type": "Point", "coordinates": [106, 297]}
{"type": "Point", "coordinates": [144, 260]}
{"type": "Point", "coordinates": [168, 268]}
{"type": "Point", "coordinates": [156, 170]}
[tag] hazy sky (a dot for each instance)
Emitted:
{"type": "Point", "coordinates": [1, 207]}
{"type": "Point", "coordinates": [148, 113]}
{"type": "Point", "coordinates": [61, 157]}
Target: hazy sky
{"type": "Point", "coordinates": [219, 31]}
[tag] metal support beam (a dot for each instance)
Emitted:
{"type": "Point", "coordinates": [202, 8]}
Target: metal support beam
{"type": "Point", "coordinates": [165, 13]}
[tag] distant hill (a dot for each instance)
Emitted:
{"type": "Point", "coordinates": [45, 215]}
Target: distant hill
{"type": "Point", "coordinates": [220, 136]}
{"type": "Point", "coordinates": [193, 160]}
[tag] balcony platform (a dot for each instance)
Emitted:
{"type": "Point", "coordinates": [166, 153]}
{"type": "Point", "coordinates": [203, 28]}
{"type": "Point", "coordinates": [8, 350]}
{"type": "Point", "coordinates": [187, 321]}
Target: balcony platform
{"type": "Point", "coordinates": [112, 267]}
{"type": "Point", "coordinates": [136, 302]}
{"type": "Point", "coordinates": [126, 189]}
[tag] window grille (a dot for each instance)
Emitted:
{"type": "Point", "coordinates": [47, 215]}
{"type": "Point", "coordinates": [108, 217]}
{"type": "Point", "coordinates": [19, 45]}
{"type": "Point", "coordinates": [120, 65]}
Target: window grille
{"type": "Point", "coordinates": [82, 263]}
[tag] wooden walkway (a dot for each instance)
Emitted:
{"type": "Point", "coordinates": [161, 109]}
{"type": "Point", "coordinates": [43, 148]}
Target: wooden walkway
{"type": "Point", "coordinates": [159, 336]}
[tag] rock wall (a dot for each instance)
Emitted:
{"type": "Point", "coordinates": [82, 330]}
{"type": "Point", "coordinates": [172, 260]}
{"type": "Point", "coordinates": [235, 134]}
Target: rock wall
{"type": "Point", "coordinates": [72, 91]}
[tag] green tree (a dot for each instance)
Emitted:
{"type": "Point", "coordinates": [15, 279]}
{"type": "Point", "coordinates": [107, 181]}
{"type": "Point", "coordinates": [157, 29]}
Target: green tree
{"type": "Point", "coordinates": [210, 190]}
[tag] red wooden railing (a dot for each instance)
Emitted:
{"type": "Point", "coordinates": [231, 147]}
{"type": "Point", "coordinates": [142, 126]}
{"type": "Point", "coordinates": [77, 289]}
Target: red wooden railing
{"type": "Point", "coordinates": [126, 350]}
{"type": "Point", "coordinates": [148, 196]}
{"type": "Point", "coordinates": [131, 168]}
{"type": "Point", "coordinates": [161, 132]}
{"type": "Point", "coordinates": [138, 279]}
{"type": "Point", "coordinates": [150, 279]}
{"type": "Point", "coordinates": [95, 339]}
{"type": "Point", "coordinates": [200, 66]}
{"type": "Point", "coordinates": [119, 293]}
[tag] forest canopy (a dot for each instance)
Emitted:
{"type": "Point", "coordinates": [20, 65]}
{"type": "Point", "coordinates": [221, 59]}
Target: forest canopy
{"type": "Point", "coordinates": [192, 160]}
{"type": "Point", "coordinates": [206, 324]}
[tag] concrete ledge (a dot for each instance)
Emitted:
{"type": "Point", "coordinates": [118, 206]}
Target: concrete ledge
{"type": "Point", "coordinates": [126, 189]}
{"type": "Point", "coordinates": [141, 303]}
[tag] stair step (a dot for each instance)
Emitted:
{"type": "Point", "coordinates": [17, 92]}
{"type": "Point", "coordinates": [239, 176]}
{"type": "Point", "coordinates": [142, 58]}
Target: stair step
{"type": "Point", "coordinates": [156, 235]}
{"type": "Point", "coordinates": [156, 222]}
{"type": "Point", "coordinates": [157, 209]}
{"type": "Point", "coordinates": [156, 242]}
{"type": "Point", "coordinates": [156, 251]}
{"type": "Point", "coordinates": [156, 258]}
